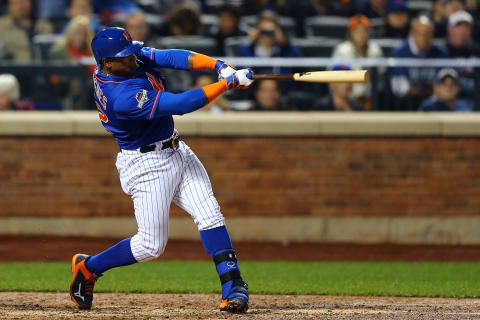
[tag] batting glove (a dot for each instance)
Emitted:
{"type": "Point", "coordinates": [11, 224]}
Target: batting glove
{"type": "Point", "coordinates": [224, 70]}
{"type": "Point", "coordinates": [241, 79]}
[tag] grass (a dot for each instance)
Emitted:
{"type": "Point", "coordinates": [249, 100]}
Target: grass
{"type": "Point", "coordinates": [434, 279]}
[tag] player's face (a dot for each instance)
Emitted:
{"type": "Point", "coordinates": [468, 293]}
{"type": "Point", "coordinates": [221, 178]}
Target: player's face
{"type": "Point", "coordinates": [121, 66]}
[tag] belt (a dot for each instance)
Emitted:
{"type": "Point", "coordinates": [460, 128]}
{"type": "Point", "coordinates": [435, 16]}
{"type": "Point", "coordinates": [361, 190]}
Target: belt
{"type": "Point", "coordinates": [172, 143]}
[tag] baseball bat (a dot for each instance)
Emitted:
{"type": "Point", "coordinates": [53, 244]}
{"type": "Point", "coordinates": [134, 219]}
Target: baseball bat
{"type": "Point", "coordinates": [361, 76]}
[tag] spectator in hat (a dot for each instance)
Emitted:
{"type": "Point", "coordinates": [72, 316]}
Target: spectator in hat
{"type": "Point", "coordinates": [358, 45]}
{"type": "Point", "coordinates": [461, 45]}
{"type": "Point", "coordinates": [411, 85]}
{"type": "Point", "coordinates": [445, 94]}
{"type": "Point", "coordinates": [339, 95]}
{"type": "Point", "coordinates": [459, 40]}
{"type": "Point", "coordinates": [398, 19]}
{"type": "Point", "coordinates": [10, 94]}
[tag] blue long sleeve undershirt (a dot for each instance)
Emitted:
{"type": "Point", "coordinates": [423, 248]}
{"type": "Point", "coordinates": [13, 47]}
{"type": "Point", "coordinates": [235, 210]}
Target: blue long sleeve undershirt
{"type": "Point", "coordinates": [171, 58]}
{"type": "Point", "coordinates": [180, 103]}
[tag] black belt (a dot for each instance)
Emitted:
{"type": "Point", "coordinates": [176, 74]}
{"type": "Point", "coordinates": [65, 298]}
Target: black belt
{"type": "Point", "coordinates": [172, 143]}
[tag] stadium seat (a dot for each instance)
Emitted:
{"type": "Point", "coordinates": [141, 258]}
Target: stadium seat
{"type": "Point", "coordinates": [155, 20]}
{"type": "Point", "coordinates": [388, 44]}
{"type": "Point", "coordinates": [41, 45]}
{"type": "Point", "coordinates": [233, 45]}
{"type": "Point", "coordinates": [198, 44]}
{"type": "Point", "coordinates": [209, 23]}
{"type": "Point", "coordinates": [327, 26]}
{"type": "Point", "coordinates": [316, 46]}
{"type": "Point", "coordinates": [3, 50]}
{"type": "Point", "coordinates": [377, 27]}
{"type": "Point", "coordinates": [419, 6]}
{"type": "Point", "coordinates": [286, 23]}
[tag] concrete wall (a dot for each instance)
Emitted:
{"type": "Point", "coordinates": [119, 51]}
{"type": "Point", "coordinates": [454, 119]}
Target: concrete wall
{"type": "Point", "coordinates": [364, 177]}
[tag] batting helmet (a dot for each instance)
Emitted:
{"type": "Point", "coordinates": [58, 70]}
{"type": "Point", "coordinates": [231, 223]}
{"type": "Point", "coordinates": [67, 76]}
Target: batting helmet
{"type": "Point", "coordinates": [114, 43]}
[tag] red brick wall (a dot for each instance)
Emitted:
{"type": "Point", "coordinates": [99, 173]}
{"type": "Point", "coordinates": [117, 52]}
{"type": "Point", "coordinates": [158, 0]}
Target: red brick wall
{"type": "Point", "coordinates": [323, 176]}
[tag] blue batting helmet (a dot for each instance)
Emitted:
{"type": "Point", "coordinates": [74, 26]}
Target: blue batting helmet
{"type": "Point", "coordinates": [114, 43]}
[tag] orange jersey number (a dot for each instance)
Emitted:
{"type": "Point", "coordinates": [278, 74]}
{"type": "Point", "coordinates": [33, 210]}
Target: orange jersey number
{"type": "Point", "coordinates": [103, 100]}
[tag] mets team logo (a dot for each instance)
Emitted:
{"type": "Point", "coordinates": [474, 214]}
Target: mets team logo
{"type": "Point", "coordinates": [127, 36]}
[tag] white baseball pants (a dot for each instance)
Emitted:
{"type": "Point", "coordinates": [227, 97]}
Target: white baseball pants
{"type": "Point", "coordinates": [155, 179]}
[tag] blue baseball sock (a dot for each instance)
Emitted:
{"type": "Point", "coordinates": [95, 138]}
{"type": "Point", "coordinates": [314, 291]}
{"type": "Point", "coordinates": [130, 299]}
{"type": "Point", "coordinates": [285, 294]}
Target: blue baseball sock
{"type": "Point", "coordinates": [116, 256]}
{"type": "Point", "coordinates": [215, 239]}
{"type": "Point", "coordinates": [218, 244]}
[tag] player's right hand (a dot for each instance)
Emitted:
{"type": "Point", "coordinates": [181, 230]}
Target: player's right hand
{"type": "Point", "coordinates": [224, 70]}
{"type": "Point", "coordinates": [241, 79]}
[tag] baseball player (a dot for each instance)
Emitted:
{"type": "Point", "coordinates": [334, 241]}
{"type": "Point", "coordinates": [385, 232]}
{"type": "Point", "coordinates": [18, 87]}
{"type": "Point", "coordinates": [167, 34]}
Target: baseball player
{"type": "Point", "coordinates": [154, 165]}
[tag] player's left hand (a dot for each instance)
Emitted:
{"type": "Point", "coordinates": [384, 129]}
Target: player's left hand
{"type": "Point", "coordinates": [225, 70]}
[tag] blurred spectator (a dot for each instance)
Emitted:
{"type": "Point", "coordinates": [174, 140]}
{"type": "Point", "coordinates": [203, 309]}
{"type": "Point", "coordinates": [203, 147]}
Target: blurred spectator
{"type": "Point", "coordinates": [374, 9]}
{"type": "Point", "coordinates": [184, 20]}
{"type": "Point", "coordinates": [74, 45]}
{"type": "Point", "coordinates": [413, 84]}
{"type": "Point", "coordinates": [218, 105]}
{"type": "Point", "coordinates": [445, 94]}
{"type": "Point", "coordinates": [441, 11]}
{"type": "Point", "coordinates": [268, 40]}
{"type": "Point", "coordinates": [163, 7]}
{"type": "Point", "coordinates": [136, 24]}
{"type": "Point", "coordinates": [302, 9]}
{"type": "Point", "coordinates": [398, 19]}
{"type": "Point", "coordinates": [18, 27]}
{"type": "Point", "coordinates": [10, 94]}
{"type": "Point", "coordinates": [473, 7]}
{"type": "Point", "coordinates": [228, 26]}
{"type": "Point", "coordinates": [253, 7]}
{"type": "Point", "coordinates": [339, 97]}
{"type": "Point", "coordinates": [461, 45]}
{"type": "Point", "coordinates": [267, 96]}
{"type": "Point", "coordinates": [84, 8]}
{"type": "Point", "coordinates": [51, 9]}
{"type": "Point", "coordinates": [113, 10]}
{"type": "Point", "coordinates": [358, 45]}
{"type": "Point", "coordinates": [459, 41]}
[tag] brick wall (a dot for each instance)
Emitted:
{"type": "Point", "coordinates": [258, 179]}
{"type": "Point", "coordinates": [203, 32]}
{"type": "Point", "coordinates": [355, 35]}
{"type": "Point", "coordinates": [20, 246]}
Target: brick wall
{"type": "Point", "coordinates": [316, 176]}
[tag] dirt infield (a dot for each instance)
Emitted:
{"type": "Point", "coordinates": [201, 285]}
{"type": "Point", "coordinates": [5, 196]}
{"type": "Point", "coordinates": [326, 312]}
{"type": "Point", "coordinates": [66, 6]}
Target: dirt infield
{"type": "Point", "coordinates": [25, 305]}
{"type": "Point", "coordinates": [48, 248]}
{"type": "Point", "coordinates": [17, 305]}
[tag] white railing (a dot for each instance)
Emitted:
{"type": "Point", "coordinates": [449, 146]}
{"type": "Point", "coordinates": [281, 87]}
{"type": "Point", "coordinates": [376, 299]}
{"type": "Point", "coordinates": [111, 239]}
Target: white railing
{"type": "Point", "coordinates": [326, 62]}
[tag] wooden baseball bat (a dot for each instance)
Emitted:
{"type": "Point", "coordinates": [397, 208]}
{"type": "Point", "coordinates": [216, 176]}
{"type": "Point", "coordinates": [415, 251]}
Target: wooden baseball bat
{"type": "Point", "coordinates": [360, 76]}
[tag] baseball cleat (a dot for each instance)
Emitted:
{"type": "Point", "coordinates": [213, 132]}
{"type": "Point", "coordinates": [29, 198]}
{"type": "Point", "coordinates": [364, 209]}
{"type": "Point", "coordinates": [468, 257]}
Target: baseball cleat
{"type": "Point", "coordinates": [83, 281]}
{"type": "Point", "coordinates": [237, 299]}
{"type": "Point", "coordinates": [235, 305]}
